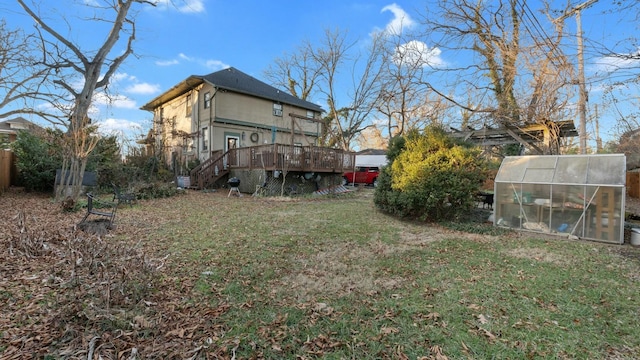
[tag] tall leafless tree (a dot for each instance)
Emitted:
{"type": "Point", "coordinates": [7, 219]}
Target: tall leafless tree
{"type": "Point", "coordinates": [94, 68]}
{"type": "Point", "coordinates": [297, 72]}
{"type": "Point", "coordinates": [317, 69]}
{"type": "Point", "coordinates": [518, 81]}
{"type": "Point", "coordinates": [347, 121]}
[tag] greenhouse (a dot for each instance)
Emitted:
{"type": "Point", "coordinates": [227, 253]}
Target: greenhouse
{"type": "Point", "coordinates": [579, 196]}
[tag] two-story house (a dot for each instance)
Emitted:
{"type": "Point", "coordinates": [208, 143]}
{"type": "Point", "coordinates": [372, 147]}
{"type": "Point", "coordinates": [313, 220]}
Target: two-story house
{"type": "Point", "coordinates": [233, 122]}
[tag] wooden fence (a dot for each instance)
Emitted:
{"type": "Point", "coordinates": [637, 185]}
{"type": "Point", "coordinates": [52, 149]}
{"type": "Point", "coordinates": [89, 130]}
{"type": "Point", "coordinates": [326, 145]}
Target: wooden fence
{"type": "Point", "coordinates": [6, 166]}
{"type": "Point", "coordinates": [633, 184]}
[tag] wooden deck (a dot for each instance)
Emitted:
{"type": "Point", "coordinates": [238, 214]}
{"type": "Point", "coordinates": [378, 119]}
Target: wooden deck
{"type": "Point", "coordinates": [272, 157]}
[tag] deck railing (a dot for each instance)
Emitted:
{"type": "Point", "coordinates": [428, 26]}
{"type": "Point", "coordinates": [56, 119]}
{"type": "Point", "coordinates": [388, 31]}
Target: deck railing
{"type": "Point", "coordinates": [272, 157]}
{"type": "Point", "coordinates": [291, 158]}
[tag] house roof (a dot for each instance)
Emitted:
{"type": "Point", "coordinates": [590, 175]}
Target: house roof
{"type": "Point", "coordinates": [12, 126]}
{"type": "Point", "coordinates": [372, 152]}
{"type": "Point", "coordinates": [232, 79]}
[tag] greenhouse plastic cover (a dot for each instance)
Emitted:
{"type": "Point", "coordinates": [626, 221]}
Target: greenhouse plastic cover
{"type": "Point", "coordinates": [605, 169]}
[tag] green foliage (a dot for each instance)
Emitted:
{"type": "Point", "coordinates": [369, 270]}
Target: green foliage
{"type": "Point", "coordinates": [154, 190]}
{"type": "Point", "coordinates": [37, 158]}
{"type": "Point", "coordinates": [106, 160]}
{"type": "Point", "coordinates": [511, 150]}
{"type": "Point", "coordinates": [432, 178]}
{"type": "Point", "coordinates": [396, 146]}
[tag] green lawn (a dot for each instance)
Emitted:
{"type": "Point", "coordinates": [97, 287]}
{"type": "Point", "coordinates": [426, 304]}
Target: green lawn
{"type": "Point", "coordinates": [335, 278]}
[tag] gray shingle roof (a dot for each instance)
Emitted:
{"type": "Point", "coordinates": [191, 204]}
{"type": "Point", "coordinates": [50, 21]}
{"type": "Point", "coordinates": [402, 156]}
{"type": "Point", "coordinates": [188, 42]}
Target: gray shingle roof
{"type": "Point", "coordinates": [19, 123]}
{"type": "Point", "coordinates": [235, 80]}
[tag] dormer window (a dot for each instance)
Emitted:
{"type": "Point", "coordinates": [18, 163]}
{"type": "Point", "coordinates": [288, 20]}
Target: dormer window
{"type": "Point", "coordinates": [277, 109]}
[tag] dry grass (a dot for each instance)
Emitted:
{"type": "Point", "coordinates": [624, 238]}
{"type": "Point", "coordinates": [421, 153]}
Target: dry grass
{"type": "Point", "coordinates": [205, 276]}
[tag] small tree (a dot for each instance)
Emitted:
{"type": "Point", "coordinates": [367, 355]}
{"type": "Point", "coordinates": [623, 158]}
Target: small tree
{"type": "Point", "coordinates": [432, 177]}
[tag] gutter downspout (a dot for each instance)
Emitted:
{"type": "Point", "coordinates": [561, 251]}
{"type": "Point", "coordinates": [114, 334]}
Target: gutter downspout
{"type": "Point", "coordinates": [211, 112]}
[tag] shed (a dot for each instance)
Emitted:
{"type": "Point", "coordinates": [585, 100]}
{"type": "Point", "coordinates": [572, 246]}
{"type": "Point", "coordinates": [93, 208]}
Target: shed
{"type": "Point", "coordinates": [569, 195]}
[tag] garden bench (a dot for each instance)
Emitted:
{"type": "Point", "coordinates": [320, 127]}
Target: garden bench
{"type": "Point", "coordinates": [126, 198]}
{"type": "Point", "coordinates": [100, 208]}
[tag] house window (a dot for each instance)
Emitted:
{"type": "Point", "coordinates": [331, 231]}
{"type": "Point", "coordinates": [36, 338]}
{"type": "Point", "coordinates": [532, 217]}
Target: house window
{"type": "Point", "coordinates": [310, 114]}
{"type": "Point", "coordinates": [277, 109]}
{"type": "Point", "coordinates": [207, 100]}
{"type": "Point", "coordinates": [188, 105]}
{"type": "Point", "coordinates": [205, 139]}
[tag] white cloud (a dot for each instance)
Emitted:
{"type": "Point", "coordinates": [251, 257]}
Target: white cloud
{"type": "Point", "coordinates": [117, 101]}
{"type": "Point", "coordinates": [117, 126]}
{"type": "Point", "coordinates": [183, 6]}
{"type": "Point", "coordinates": [417, 53]}
{"type": "Point", "coordinates": [215, 65]}
{"type": "Point", "coordinates": [184, 57]}
{"type": "Point", "coordinates": [610, 64]}
{"type": "Point", "coordinates": [167, 62]}
{"type": "Point", "coordinates": [192, 7]}
{"type": "Point", "coordinates": [117, 77]}
{"type": "Point", "coordinates": [124, 102]}
{"type": "Point", "coordinates": [143, 88]}
{"type": "Point", "coordinates": [401, 20]}
{"type": "Point", "coordinates": [207, 63]}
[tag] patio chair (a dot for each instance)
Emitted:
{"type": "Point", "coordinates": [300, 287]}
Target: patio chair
{"type": "Point", "coordinates": [126, 198]}
{"type": "Point", "coordinates": [100, 208]}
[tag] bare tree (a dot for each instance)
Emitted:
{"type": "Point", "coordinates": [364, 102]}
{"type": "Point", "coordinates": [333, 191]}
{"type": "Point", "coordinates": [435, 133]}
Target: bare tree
{"type": "Point", "coordinates": [23, 78]}
{"type": "Point", "coordinates": [95, 69]}
{"type": "Point", "coordinates": [346, 122]}
{"type": "Point", "coordinates": [297, 72]}
{"type": "Point", "coordinates": [491, 31]}
{"type": "Point", "coordinates": [372, 138]}
{"type": "Point", "coordinates": [316, 69]}
{"type": "Point", "coordinates": [403, 101]}
{"type": "Point", "coordinates": [518, 83]}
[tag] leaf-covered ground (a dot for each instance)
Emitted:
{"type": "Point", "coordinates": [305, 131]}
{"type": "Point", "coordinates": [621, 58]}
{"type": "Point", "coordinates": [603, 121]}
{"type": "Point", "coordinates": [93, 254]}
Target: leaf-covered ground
{"type": "Point", "coordinates": [72, 294]}
{"type": "Point", "coordinates": [203, 276]}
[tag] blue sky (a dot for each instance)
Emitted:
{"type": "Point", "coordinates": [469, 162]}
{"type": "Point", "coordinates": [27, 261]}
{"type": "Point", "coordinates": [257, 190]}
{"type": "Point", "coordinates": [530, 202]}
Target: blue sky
{"type": "Point", "coordinates": [202, 36]}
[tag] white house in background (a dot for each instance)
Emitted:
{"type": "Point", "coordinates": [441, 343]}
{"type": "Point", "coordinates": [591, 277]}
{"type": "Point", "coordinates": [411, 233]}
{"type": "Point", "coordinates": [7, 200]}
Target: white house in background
{"type": "Point", "coordinates": [371, 157]}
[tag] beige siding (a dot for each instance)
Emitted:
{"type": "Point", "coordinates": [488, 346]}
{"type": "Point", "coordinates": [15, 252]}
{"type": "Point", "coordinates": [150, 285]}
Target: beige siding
{"type": "Point", "coordinates": [172, 124]}
{"type": "Point", "coordinates": [230, 114]}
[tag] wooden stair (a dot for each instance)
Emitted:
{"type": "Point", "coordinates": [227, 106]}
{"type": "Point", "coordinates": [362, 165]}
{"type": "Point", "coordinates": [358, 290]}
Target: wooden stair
{"type": "Point", "coordinates": [210, 171]}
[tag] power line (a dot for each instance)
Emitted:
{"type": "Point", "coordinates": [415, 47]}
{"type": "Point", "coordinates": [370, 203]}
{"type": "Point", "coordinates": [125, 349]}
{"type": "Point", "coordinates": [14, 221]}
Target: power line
{"type": "Point", "coordinates": [541, 33]}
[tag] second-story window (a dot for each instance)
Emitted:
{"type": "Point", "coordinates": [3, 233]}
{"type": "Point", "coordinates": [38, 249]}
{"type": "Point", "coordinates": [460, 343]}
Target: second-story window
{"type": "Point", "coordinates": [277, 109]}
{"type": "Point", "coordinates": [205, 139]}
{"type": "Point", "coordinates": [207, 100]}
{"type": "Point", "coordinates": [188, 105]}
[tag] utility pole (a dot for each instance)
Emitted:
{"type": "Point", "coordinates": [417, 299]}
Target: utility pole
{"type": "Point", "coordinates": [598, 139]}
{"type": "Point", "coordinates": [582, 93]}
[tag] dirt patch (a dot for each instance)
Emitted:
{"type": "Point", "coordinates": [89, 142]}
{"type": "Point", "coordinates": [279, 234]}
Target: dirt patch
{"type": "Point", "coordinates": [538, 254]}
{"type": "Point", "coordinates": [333, 271]}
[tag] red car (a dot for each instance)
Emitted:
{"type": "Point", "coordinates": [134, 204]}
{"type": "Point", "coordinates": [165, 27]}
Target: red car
{"type": "Point", "coordinates": [363, 175]}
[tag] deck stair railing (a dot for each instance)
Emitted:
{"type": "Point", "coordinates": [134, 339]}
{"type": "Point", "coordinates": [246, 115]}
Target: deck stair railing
{"type": "Point", "coordinates": [209, 171]}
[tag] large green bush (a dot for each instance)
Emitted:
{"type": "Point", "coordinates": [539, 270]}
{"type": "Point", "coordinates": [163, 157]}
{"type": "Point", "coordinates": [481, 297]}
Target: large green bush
{"type": "Point", "coordinates": [37, 158]}
{"type": "Point", "coordinates": [431, 177]}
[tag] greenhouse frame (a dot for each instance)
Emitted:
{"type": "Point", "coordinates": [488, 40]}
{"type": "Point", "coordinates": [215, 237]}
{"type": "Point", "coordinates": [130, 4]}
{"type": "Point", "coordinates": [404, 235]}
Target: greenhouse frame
{"type": "Point", "coordinates": [579, 196]}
